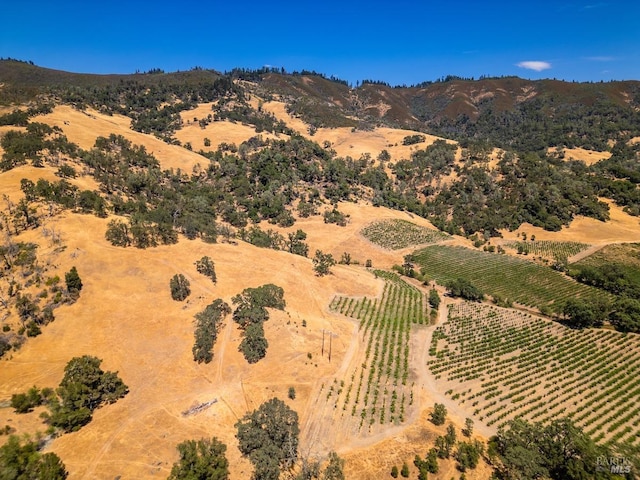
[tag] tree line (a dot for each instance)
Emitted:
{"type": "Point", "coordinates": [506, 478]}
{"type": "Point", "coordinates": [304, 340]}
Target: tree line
{"type": "Point", "coordinates": [267, 179]}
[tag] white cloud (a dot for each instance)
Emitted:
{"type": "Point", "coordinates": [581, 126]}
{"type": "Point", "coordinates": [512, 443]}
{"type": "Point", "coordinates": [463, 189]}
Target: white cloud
{"type": "Point", "coordinates": [601, 59]}
{"type": "Point", "coordinates": [534, 65]}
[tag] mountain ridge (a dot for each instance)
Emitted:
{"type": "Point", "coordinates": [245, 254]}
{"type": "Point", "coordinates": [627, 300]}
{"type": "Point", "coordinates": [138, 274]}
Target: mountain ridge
{"type": "Point", "coordinates": [490, 108]}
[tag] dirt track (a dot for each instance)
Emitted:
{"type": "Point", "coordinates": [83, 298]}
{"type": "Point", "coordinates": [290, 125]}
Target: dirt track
{"type": "Point", "coordinates": [428, 382]}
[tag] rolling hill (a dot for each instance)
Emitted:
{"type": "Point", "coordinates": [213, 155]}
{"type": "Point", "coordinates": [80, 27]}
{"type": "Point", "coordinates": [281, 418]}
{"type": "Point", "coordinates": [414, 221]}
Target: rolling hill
{"type": "Point", "coordinates": [134, 178]}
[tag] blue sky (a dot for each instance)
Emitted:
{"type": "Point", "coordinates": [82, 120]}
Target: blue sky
{"type": "Point", "coordinates": [400, 42]}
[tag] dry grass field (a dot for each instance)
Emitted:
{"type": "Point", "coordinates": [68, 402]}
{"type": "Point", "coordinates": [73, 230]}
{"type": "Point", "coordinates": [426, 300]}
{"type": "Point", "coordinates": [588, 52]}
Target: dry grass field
{"type": "Point", "coordinates": [354, 143]}
{"type": "Point", "coordinates": [589, 157]}
{"type": "Point", "coordinates": [621, 227]}
{"type": "Point", "coordinates": [125, 316]}
{"type": "Point", "coordinates": [217, 132]}
{"type": "Point", "coordinates": [83, 127]}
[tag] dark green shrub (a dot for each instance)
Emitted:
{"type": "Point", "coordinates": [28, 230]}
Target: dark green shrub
{"type": "Point", "coordinates": [202, 459]}
{"type": "Point", "coordinates": [180, 287]}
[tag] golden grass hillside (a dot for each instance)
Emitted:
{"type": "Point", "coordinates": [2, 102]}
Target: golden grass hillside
{"type": "Point", "coordinates": [589, 157]}
{"type": "Point", "coordinates": [347, 142]}
{"type": "Point", "coordinates": [621, 227]}
{"type": "Point", "coordinates": [83, 127]}
{"type": "Point", "coordinates": [125, 316]}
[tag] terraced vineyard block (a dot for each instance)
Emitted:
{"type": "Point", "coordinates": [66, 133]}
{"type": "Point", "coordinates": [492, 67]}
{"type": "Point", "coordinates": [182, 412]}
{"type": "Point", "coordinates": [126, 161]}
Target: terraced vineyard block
{"type": "Point", "coordinates": [559, 251]}
{"type": "Point", "coordinates": [502, 364]}
{"type": "Point", "coordinates": [378, 390]}
{"type": "Point", "coordinates": [510, 277]}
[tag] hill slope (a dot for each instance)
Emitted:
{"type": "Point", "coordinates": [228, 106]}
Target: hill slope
{"type": "Point", "coordinates": [267, 172]}
{"type": "Point", "coordinates": [509, 112]}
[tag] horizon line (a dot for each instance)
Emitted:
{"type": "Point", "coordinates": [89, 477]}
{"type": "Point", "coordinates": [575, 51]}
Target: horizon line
{"type": "Point", "coordinates": [284, 71]}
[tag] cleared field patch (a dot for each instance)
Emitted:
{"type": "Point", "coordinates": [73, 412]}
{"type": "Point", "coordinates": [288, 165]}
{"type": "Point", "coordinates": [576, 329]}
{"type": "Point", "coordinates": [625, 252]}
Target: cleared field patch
{"type": "Point", "coordinates": [558, 251]}
{"type": "Point", "coordinates": [396, 234]}
{"type": "Point", "coordinates": [501, 364]}
{"type": "Point", "coordinates": [378, 391]}
{"type": "Point", "coordinates": [509, 277]}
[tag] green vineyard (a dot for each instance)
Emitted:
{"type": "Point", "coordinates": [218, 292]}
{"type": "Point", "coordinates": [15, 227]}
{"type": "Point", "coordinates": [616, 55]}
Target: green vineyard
{"type": "Point", "coordinates": [501, 364]}
{"type": "Point", "coordinates": [379, 390]}
{"type": "Point", "coordinates": [558, 251]}
{"type": "Point", "coordinates": [397, 234]}
{"type": "Point", "coordinates": [509, 277]}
